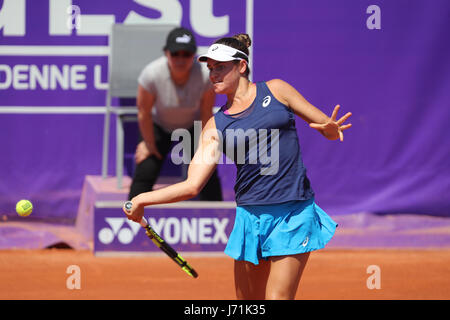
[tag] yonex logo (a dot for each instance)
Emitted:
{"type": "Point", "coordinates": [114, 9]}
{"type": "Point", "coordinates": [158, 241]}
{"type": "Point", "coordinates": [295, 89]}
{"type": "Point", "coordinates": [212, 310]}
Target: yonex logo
{"type": "Point", "coordinates": [184, 39]}
{"type": "Point", "coordinates": [266, 101]}
{"type": "Point", "coordinates": [173, 230]}
{"type": "Point", "coordinates": [124, 235]}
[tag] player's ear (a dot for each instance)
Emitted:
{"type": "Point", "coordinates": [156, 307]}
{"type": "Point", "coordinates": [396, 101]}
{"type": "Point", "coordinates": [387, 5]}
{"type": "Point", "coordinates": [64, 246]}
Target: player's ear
{"type": "Point", "coordinates": [242, 66]}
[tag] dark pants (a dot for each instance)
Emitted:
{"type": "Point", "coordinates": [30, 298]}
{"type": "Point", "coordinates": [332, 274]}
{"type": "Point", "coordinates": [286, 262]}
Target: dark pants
{"type": "Point", "coordinates": [147, 172]}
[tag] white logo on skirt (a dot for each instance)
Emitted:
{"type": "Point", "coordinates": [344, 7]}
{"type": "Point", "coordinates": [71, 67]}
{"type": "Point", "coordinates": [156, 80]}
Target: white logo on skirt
{"type": "Point", "coordinates": [305, 242]}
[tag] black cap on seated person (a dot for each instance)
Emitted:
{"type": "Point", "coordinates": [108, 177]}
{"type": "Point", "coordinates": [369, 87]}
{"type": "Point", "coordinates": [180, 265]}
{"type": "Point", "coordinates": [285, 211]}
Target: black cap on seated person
{"type": "Point", "coordinates": [181, 39]}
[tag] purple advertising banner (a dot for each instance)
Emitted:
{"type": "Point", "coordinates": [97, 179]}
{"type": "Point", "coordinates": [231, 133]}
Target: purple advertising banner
{"type": "Point", "coordinates": [386, 62]}
{"type": "Point", "coordinates": [88, 22]}
{"type": "Point", "coordinates": [185, 229]}
{"type": "Point", "coordinates": [60, 47]}
{"type": "Point", "coordinates": [53, 81]}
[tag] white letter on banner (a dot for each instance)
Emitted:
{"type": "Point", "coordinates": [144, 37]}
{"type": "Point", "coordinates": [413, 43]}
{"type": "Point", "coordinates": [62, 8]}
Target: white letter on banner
{"type": "Point", "coordinates": [169, 236]}
{"type": "Point", "coordinates": [12, 17]}
{"type": "Point", "coordinates": [56, 76]}
{"type": "Point", "coordinates": [77, 77]}
{"type": "Point", "coordinates": [171, 12]}
{"type": "Point", "coordinates": [220, 226]}
{"type": "Point", "coordinates": [189, 230]}
{"type": "Point", "coordinates": [98, 84]}
{"type": "Point", "coordinates": [204, 22]}
{"type": "Point", "coordinates": [374, 21]}
{"type": "Point", "coordinates": [58, 17]}
{"type": "Point", "coordinates": [8, 76]}
{"type": "Point", "coordinates": [37, 76]}
{"type": "Point", "coordinates": [20, 73]}
{"type": "Point", "coordinates": [95, 24]}
{"type": "Point", "coordinates": [204, 231]}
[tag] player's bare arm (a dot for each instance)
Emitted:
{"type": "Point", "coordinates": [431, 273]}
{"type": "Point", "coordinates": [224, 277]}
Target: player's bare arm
{"type": "Point", "coordinates": [200, 170]}
{"type": "Point", "coordinates": [329, 127]}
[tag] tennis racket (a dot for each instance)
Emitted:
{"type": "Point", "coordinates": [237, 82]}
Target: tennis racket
{"type": "Point", "coordinates": [160, 243]}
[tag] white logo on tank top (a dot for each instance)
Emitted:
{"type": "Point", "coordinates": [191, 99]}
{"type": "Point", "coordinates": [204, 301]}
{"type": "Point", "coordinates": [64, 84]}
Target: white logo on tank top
{"type": "Point", "coordinates": [266, 101]}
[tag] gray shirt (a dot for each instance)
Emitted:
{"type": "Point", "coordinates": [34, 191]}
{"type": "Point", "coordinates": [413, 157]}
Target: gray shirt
{"type": "Point", "coordinates": [175, 106]}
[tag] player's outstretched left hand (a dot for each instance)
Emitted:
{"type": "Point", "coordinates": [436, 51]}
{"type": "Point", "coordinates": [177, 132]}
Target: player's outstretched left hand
{"type": "Point", "coordinates": [333, 128]}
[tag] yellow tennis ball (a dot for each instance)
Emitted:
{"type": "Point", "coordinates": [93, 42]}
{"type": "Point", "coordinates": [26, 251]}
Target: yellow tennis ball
{"type": "Point", "coordinates": [24, 208]}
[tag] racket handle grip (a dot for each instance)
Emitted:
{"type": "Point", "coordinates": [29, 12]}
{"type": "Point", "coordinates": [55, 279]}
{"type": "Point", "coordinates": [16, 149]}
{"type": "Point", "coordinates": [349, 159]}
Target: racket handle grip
{"type": "Point", "coordinates": [127, 207]}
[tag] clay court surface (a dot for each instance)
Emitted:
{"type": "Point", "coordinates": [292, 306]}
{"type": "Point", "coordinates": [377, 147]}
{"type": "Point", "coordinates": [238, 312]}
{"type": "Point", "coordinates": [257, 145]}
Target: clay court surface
{"type": "Point", "coordinates": [330, 274]}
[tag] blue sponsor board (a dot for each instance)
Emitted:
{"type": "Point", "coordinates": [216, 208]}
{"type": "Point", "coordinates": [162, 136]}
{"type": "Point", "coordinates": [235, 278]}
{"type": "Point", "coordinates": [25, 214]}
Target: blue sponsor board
{"type": "Point", "coordinates": [191, 226]}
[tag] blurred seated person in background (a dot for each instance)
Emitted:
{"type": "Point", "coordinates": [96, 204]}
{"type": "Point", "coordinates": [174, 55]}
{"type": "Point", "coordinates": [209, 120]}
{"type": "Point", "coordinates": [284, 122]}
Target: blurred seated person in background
{"type": "Point", "coordinates": [174, 91]}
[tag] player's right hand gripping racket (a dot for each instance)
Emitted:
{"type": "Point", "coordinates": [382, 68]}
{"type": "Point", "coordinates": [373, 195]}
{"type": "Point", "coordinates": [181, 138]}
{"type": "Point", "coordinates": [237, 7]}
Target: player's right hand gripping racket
{"type": "Point", "coordinates": [160, 243]}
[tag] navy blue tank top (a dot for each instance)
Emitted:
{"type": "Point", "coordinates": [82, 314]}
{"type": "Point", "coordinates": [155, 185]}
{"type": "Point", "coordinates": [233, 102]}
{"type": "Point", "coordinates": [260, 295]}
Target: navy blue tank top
{"type": "Point", "coordinates": [262, 141]}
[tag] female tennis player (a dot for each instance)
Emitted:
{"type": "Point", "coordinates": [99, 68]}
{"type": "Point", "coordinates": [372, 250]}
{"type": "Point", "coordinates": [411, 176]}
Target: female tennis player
{"type": "Point", "coordinates": [277, 221]}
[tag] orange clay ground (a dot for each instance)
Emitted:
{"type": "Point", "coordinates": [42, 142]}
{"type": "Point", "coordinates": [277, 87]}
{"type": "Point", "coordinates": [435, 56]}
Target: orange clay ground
{"type": "Point", "coordinates": [330, 274]}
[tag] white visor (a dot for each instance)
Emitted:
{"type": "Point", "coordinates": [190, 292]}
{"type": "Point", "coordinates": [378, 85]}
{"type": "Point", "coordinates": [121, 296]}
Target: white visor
{"type": "Point", "coordinates": [220, 52]}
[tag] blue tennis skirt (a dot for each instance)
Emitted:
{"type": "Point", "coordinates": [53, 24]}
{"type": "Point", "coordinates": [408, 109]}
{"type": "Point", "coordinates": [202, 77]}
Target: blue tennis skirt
{"type": "Point", "coordinates": [289, 228]}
